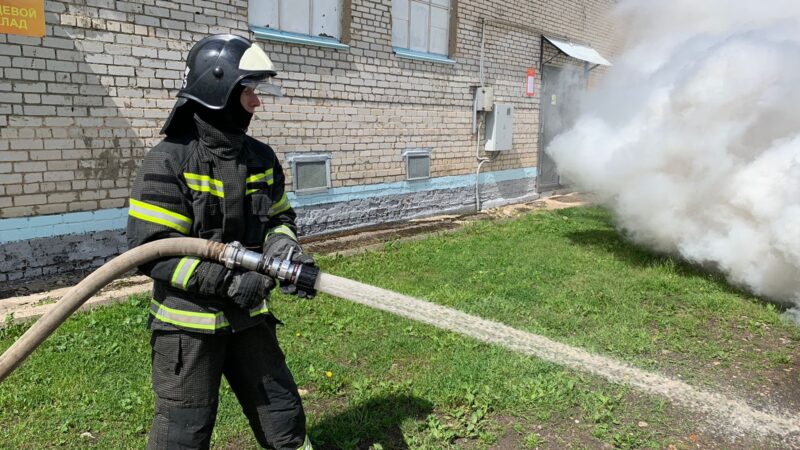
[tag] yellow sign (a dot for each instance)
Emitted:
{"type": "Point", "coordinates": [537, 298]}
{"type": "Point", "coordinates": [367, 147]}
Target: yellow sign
{"type": "Point", "coordinates": [24, 17]}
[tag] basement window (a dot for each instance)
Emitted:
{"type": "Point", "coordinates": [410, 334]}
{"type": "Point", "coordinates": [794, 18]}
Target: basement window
{"type": "Point", "coordinates": [312, 173]}
{"type": "Point", "coordinates": [418, 163]}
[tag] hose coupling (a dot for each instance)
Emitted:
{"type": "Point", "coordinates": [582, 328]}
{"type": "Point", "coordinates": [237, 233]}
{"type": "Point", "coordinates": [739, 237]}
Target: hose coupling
{"type": "Point", "coordinates": [301, 275]}
{"type": "Point", "coordinates": [235, 255]}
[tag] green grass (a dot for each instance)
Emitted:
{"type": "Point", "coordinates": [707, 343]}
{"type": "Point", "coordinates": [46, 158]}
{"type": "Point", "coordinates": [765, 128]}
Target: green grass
{"type": "Point", "coordinates": [399, 384]}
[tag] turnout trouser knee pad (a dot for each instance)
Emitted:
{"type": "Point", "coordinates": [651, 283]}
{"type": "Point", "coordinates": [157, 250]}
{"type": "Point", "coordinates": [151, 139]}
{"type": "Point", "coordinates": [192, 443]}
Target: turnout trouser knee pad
{"type": "Point", "coordinates": [182, 428]}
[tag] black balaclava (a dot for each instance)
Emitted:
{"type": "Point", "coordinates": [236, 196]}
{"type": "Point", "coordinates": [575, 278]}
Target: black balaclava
{"type": "Point", "coordinates": [232, 118]}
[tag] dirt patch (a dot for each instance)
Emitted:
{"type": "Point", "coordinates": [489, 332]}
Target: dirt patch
{"type": "Point", "coordinates": [31, 306]}
{"type": "Point", "coordinates": [570, 200]}
{"type": "Point", "coordinates": [362, 240]}
{"type": "Point", "coordinates": [771, 377]}
{"type": "Point", "coordinates": [630, 429]}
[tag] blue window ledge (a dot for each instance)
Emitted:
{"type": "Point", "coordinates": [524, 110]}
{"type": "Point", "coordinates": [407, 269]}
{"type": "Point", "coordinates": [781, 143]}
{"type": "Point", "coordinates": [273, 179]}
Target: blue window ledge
{"type": "Point", "coordinates": [295, 38]}
{"type": "Point", "coordinates": [422, 56]}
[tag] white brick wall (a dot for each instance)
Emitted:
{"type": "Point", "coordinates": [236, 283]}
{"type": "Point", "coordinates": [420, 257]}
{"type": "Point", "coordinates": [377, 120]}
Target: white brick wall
{"type": "Point", "coordinates": [80, 107]}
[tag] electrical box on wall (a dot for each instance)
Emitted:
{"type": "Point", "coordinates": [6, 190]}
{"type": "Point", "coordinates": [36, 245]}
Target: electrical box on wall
{"type": "Point", "coordinates": [484, 98]}
{"type": "Point", "coordinates": [500, 128]}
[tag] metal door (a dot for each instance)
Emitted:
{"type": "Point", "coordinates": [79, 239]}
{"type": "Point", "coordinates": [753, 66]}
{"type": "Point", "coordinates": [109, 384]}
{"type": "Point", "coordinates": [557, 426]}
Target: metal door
{"type": "Point", "coordinates": [561, 92]}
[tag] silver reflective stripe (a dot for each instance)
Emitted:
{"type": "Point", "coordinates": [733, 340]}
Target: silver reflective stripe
{"type": "Point", "coordinates": [188, 319]}
{"type": "Point", "coordinates": [204, 183]}
{"type": "Point", "coordinates": [260, 177]}
{"type": "Point", "coordinates": [183, 271]}
{"type": "Point", "coordinates": [156, 214]}
{"type": "Point", "coordinates": [263, 308]}
{"type": "Point", "coordinates": [306, 445]}
{"type": "Point", "coordinates": [281, 206]}
{"type": "Point", "coordinates": [282, 229]}
{"type": "Point", "coordinates": [266, 176]}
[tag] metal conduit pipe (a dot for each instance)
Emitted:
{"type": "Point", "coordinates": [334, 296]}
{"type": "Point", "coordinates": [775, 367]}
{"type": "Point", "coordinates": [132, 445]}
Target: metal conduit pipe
{"type": "Point", "coordinates": [476, 128]}
{"type": "Point", "coordinates": [481, 161]}
{"type": "Point", "coordinates": [98, 279]}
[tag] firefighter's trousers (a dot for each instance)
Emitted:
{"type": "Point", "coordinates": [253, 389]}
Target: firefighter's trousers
{"type": "Point", "coordinates": [187, 369]}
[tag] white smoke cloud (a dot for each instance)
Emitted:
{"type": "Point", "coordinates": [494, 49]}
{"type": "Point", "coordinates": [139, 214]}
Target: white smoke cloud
{"type": "Point", "coordinates": [693, 136]}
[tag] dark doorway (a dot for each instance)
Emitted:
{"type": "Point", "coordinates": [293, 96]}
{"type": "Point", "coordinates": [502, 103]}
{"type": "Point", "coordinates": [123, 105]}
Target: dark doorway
{"type": "Point", "coordinates": [562, 89]}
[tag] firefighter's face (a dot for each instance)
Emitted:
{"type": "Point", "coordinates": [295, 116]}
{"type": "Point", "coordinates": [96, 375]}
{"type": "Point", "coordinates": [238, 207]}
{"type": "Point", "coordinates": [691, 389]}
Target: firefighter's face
{"type": "Point", "coordinates": [249, 100]}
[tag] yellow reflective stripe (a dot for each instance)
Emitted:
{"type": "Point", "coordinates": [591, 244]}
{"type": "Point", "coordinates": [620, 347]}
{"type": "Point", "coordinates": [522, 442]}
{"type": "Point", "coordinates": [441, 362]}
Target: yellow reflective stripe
{"type": "Point", "coordinates": [256, 177]}
{"type": "Point", "coordinates": [159, 215]}
{"type": "Point", "coordinates": [204, 178]}
{"type": "Point", "coordinates": [188, 319]}
{"type": "Point", "coordinates": [267, 176]}
{"type": "Point", "coordinates": [263, 308]}
{"type": "Point", "coordinates": [282, 205]}
{"type": "Point", "coordinates": [259, 176]}
{"type": "Point", "coordinates": [204, 183]}
{"type": "Point", "coordinates": [184, 271]}
{"type": "Point", "coordinates": [282, 229]}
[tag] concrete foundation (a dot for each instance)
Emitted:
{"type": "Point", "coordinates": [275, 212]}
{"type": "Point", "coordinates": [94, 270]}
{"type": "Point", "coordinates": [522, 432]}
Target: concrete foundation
{"type": "Point", "coordinates": [40, 257]}
{"type": "Point", "coordinates": [59, 254]}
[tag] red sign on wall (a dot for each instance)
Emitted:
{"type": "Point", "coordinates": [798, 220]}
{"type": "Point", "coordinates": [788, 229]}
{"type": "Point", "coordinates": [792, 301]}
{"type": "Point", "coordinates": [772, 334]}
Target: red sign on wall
{"type": "Point", "coordinates": [530, 82]}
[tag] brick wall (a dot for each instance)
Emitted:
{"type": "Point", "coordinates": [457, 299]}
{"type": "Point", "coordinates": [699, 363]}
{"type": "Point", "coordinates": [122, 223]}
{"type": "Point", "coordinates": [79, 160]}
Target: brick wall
{"type": "Point", "coordinates": [80, 107]}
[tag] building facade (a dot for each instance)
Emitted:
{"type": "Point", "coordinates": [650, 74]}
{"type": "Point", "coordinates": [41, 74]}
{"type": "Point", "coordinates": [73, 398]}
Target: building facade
{"type": "Point", "coordinates": [378, 120]}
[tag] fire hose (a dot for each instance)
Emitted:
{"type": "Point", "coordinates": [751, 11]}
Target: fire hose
{"type": "Point", "coordinates": [232, 255]}
{"type": "Point", "coordinates": [736, 414]}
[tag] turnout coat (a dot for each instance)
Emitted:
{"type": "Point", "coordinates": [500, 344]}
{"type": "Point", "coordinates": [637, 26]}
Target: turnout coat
{"type": "Point", "coordinates": [216, 186]}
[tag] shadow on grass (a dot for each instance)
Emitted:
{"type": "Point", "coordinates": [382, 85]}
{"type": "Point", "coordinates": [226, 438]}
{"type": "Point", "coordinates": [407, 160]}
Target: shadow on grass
{"type": "Point", "coordinates": [610, 241]}
{"type": "Point", "coordinates": [376, 421]}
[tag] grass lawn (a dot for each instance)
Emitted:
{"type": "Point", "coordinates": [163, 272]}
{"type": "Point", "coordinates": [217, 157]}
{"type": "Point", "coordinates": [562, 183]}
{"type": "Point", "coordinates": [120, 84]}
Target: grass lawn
{"type": "Point", "coordinates": [372, 380]}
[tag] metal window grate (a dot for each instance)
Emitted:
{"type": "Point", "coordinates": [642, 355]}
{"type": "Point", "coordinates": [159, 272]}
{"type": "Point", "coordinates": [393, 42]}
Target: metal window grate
{"type": "Point", "coordinates": [312, 173]}
{"type": "Point", "coordinates": [418, 163]}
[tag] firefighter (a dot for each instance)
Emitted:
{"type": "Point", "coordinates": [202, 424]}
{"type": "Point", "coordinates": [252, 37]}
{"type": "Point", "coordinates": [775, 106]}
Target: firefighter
{"type": "Point", "coordinates": [208, 179]}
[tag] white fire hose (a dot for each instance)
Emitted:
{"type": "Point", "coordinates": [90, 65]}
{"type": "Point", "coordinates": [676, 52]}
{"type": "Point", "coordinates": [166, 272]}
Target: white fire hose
{"type": "Point", "coordinates": [232, 255]}
{"type": "Point", "coordinates": [735, 414]}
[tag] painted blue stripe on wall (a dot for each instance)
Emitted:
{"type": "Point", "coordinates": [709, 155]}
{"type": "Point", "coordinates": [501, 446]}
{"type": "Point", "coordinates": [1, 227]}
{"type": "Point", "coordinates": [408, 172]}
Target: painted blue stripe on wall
{"type": "Point", "coordinates": [349, 193]}
{"type": "Point", "coordinates": [22, 228]}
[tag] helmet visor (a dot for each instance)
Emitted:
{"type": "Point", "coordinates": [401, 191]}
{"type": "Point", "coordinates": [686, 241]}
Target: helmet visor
{"type": "Point", "coordinates": [262, 86]}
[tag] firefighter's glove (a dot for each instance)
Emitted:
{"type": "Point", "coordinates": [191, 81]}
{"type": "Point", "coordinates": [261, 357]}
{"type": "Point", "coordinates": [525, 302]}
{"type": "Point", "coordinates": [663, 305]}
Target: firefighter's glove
{"type": "Point", "coordinates": [249, 289]}
{"type": "Point", "coordinates": [282, 247]}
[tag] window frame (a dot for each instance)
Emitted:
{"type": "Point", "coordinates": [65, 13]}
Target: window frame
{"type": "Point", "coordinates": [410, 153]}
{"type": "Point", "coordinates": [452, 27]}
{"type": "Point", "coordinates": [294, 160]}
{"type": "Point", "coordinates": [279, 35]}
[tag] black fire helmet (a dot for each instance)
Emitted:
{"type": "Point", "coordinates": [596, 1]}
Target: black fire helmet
{"type": "Point", "coordinates": [215, 65]}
